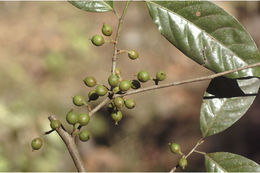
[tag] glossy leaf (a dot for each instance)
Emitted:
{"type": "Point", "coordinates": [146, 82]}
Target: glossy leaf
{"type": "Point", "coordinates": [226, 101]}
{"type": "Point", "coordinates": [207, 34]}
{"type": "Point", "coordinates": [228, 162]}
{"type": "Point", "coordinates": [94, 6]}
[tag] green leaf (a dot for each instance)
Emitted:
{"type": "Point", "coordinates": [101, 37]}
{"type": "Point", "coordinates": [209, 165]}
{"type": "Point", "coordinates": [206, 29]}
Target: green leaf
{"type": "Point", "coordinates": [94, 6]}
{"type": "Point", "coordinates": [228, 162]}
{"type": "Point", "coordinates": [224, 102]}
{"type": "Point", "coordinates": [207, 34]}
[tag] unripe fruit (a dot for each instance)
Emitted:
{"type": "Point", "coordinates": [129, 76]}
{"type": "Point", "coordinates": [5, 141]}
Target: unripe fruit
{"type": "Point", "coordinates": [143, 76]}
{"type": "Point", "coordinates": [117, 116]}
{"type": "Point", "coordinates": [90, 81]}
{"type": "Point", "coordinates": [79, 100]}
{"type": "Point", "coordinates": [101, 90]}
{"type": "Point", "coordinates": [130, 103]}
{"type": "Point", "coordinates": [135, 84]}
{"type": "Point", "coordinates": [125, 85]}
{"type": "Point", "coordinates": [55, 124]}
{"type": "Point", "coordinates": [116, 90]}
{"type": "Point", "coordinates": [107, 30]}
{"type": "Point", "coordinates": [84, 135]}
{"type": "Point", "coordinates": [111, 108]}
{"type": "Point", "coordinates": [113, 80]}
{"type": "Point", "coordinates": [72, 117]}
{"type": "Point", "coordinates": [98, 40]}
{"type": "Point", "coordinates": [118, 71]}
{"type": "Point", "coordinates": [36, 143]}
{"type": "Point", "coordinates": [119, 102]}
{"type": "Point", "coordinates": [160, 76]}
{"type": "Point", "coordinates": [92, 95]}
{"type": "Point", "coordinates": [84, 119]}
{"type": "Point", "coordinates": [175, 148]}
{"type": "Point", "coordinates": [133, 54]}
{"type": "Point", "coordinates": [183, 163]}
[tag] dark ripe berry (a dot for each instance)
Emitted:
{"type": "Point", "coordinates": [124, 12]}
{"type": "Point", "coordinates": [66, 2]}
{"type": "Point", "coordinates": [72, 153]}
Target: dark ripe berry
{"type": "Point", "coordinates": [101, 90]}
{"type": "Point", "coordinates": [84, 119]}
{"type": "Point", "coordinates": [113, 80]}
{"type": "Point", "coordinates": [143, 76]}
{"type": "Point", "coordinates": [116, 90]}
{"type": "Point", "coordinates": [90, 81]}
{"type": "Point", "coordinates": [36, 143]}
{"type": "Point", "coordinates": [111, 108]}
{"type": "Point", "coordinates": [125, 85]}
{"type": "Point", "coordinates": [55, 124]}
{"type": "Point", "coordinates": [117, 116]}
{"type": "Point", "coordinates": [130, 103]}
{"type": "Point", "coordinates": [175, 148]}
{"type": "Point", "coordinates": [118, 102]}
{"type": "Point", "coordinates": [98, 40]}
{"type": "Point", "coordinates": [79, 100]}
{"type": "Point", "coordinates": [72, 117]}
{"type": "Point", "coordinates": [107, 30]}
{"type": "Point", "coordinates": [183, 163]}
{"type": "Point", "coordinates": [135, 84]}
{"type": "Point", "coordinates": [84, 135]}
{"type": "Point", "coordinates": [92, 95]}
{"type": "Point", "coordinates": [160, 76]}
{"type": "Point", "coordinates": [133, 54]}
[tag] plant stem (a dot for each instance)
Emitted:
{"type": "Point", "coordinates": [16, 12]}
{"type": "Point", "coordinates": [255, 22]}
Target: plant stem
{"type": "Point", "coordinates": [154, 87]}
{"type": "Point", "coordinates": [99, 106]}
{"type": "Point", "coordinates": [71, 146]}
{"type": "Point", "coordinates": [120, 22]}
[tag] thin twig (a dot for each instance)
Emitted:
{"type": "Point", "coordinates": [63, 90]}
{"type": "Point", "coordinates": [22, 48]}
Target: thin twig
{"type": "Point", "coordinates": [99, 106]}
{"type": "Point", "coordinates": [154, 87]}
{"type": "Point", "coordinates": [200, 152]}
{"type": "Point", "coordinates": [120, 22]}
{"type": "Point", "coordinates": [71, 146]}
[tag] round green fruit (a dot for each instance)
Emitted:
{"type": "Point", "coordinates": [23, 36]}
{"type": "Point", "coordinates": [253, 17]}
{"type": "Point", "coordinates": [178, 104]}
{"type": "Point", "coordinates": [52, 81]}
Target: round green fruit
{"type": "Point", "coordinates": [175, 148]}
{"type": "Point", "coordinates": [133, 54]}
{"type": "Point", "coordinates": [113, 80]}
{"type": "Point", "coordinates": [84, 135]}
{"type": "Point", "coordinates": [55, 124]}
{"type": "Point", "coordinates": [84, 119]}
{"type": "Point", "coordinates": [98, 40]}
{"type": "Point", "coordinates": [119, 102]}
{"type": "Point", "coordinates": [125, 85]}
{"type": "Point", "coordinates": [36, 143]}
{"type": "Point", "coordinates": [79, 100]}
{"type": "Point", "coordinates": [111, 108]}
{"type": "Point", "coordinates": [117, 116]}
{"type": "Point", "coordinates": [130, 103]}
{"type": "Point", "coordinates": [72, 117]}
{"type": "Point", "coordinates": [101, 90]}
{"type": "Point", "coordinates": [161, 75]}
{"type": "Point", "coordinates": [143, 76]}
{"type": "Point", "coordinates": [107, 30]}
{"type": "Point", "coordinates": [92, 95]}
{"type": "Point", "coordinates": [116, 90]}
{"type": "Point", "coordinates": [183, 163]}
{"type": "Point", "coordinates": [135, 84]}
{"type": "Point", "coordinates": [90, 81]}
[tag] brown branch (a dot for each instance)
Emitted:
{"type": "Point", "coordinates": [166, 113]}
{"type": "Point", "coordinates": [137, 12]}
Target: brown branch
{"type": "Point", "coordinates": [99, 106]}
{"type": "Point", "coordinates": [71, 146]}
{"type": "Point", "coordinates": [154, 87]}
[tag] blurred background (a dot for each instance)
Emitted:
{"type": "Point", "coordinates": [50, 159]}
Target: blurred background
{"type": "Point", "coordinates": [45, 53]}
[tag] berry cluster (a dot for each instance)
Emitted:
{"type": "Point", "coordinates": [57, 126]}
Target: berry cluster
{"type": "Point", "coordinates": [175, 148]}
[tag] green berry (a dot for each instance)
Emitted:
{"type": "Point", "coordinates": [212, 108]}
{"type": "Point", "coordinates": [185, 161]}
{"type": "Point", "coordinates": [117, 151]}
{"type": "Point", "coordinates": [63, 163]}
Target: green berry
{"type": "Point", "coordinates": [130, 103]}
{"type": "Point", "coordinates": [183, 163]}
{"type": "Point", "coordinates": [92, 95]}
{"type": "Point", "coordinates": [175, 148]}
{"type": "Point", "coordinates": [118, 71]}
{"type": "Point", "coordinates": [116, 90]}
{"type": "Point", "coordinates": [79, 100]}
{"type": "Point", "coordinates": [55, 124]}
{"type": "Point", "coordinates": [90, 81]}
{"type": "Point", "coordinates": [84, 135]}
{"type": "Point", "coordinates": [111, 108]}
{"type": "Point", "coordinates": [98, 40]}
{"type": "Point", "coordinates": [36, 143]}
{"type": "Point", "coordinates": [125, 85]}
{"type": "Point", "coordinates": [84, 119]}
{"type": "Point", "coordinates": [160, 76]}
{"type": "Point", "coordinates": [133, 54]}
{"type": "Point", "coordinates": [117, 116]}
{"type": "Point", "coordinates": [119, 102]}
{"type": "Point", "coordinates": [72, 117]}
{"type": "Point", "coordinates": [113, 80]}
{"type": "Point", "coordinates": [143, 76]}
{"type": "Point", "coordinates": [101, 90]}
{"type": "Point", "coordinates": [107, 30]}
{"type": "Point", "coordinates": [135, 84]}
